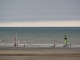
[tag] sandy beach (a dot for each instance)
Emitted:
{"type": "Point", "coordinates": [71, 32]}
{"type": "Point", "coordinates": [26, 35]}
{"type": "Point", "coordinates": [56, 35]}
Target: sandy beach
{"type": "Point", "coordinates": [18, 53]}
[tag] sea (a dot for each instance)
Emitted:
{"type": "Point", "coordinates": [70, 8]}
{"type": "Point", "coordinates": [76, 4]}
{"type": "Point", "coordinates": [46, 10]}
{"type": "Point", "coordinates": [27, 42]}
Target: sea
{"type": "Point", "coordinates": [40, 35]}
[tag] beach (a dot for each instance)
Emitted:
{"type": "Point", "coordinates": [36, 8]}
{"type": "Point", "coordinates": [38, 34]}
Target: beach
{"type": "Point", "coordinates": [39, 42]}
{"type": "Point", "coordinates": [52, 53]}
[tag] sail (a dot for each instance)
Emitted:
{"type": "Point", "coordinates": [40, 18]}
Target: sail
{"type": "Point", "coordinates": [65, 40]}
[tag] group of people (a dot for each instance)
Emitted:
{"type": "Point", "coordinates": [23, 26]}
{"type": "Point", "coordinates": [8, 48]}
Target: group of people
{"type": "Point", "coordinates": [65, 40]}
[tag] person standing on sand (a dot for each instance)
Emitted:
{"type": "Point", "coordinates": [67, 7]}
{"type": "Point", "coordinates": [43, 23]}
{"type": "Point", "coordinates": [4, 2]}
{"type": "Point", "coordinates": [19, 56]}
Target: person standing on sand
{"type": "Point", "coordinates": [70, 45]}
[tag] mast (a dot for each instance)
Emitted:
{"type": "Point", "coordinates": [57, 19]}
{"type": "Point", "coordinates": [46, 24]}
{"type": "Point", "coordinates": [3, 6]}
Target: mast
{"type": "Point", "coordinates": [16, 42]}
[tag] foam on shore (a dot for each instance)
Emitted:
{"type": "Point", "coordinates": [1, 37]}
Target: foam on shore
{"type": "Point", "coordinates": [38, 45]}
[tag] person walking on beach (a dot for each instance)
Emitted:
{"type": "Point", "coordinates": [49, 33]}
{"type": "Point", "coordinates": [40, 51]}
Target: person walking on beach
{"type": "Point", "coordinates": [70, 45]}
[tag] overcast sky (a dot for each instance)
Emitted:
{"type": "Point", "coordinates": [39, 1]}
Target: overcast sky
{"type": "Point", "coordinates": [39, 12]}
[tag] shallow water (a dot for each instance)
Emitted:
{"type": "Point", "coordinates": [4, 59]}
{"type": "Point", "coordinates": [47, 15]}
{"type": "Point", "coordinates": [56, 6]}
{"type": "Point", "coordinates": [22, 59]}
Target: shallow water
{"type": "Point", "coordinates": [40, 35]}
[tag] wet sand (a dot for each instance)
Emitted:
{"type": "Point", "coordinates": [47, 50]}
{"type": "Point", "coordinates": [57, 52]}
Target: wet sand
{"type": "Point", "coordinates": [17, 53]}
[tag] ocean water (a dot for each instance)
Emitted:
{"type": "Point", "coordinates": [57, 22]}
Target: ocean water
{"type": "Point", "coordinates": [40, 35]}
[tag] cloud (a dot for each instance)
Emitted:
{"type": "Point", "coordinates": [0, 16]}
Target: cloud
{"type": "Point", "coordinates": [39, 10]}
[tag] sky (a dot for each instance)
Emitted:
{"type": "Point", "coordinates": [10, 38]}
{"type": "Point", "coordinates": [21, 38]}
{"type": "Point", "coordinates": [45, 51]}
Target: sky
{"type": "Point", "coordinates": [39, 13]}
